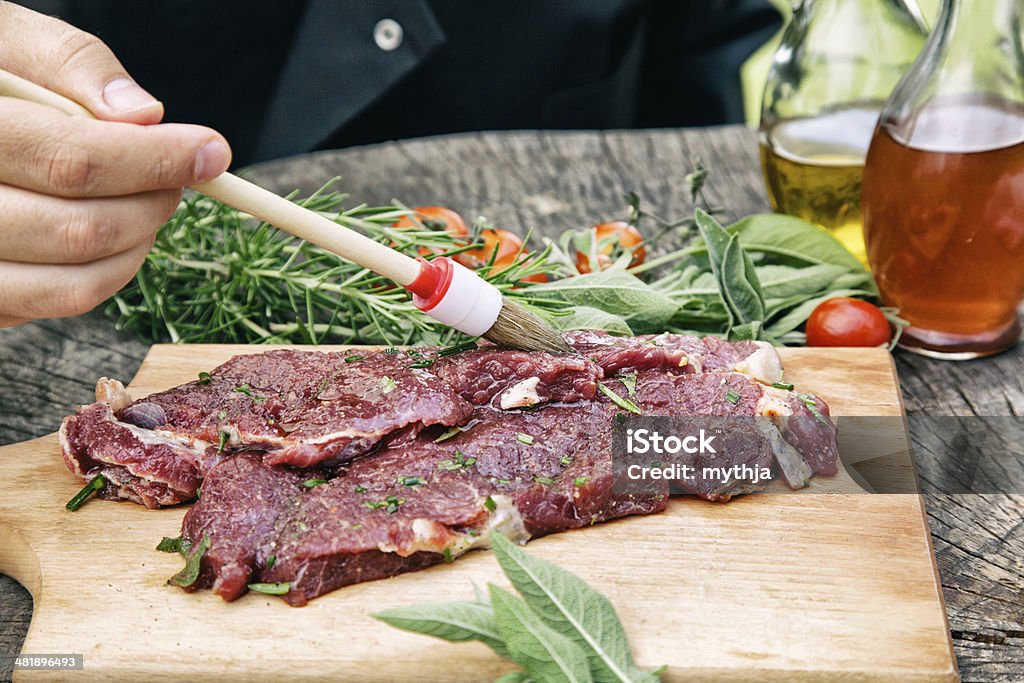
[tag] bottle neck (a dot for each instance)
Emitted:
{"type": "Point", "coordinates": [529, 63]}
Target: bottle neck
{"type": "Point", "coordinates": [965, 92]}
{"type": "Point", "coordinates": [973, 32]}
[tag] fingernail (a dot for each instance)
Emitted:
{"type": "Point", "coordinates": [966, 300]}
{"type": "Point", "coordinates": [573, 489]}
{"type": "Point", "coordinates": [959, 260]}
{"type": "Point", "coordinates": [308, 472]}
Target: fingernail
{"type": "Point", "coordinates": [212, 160]}
{"type": "Point", "coordinates": [124, 94]}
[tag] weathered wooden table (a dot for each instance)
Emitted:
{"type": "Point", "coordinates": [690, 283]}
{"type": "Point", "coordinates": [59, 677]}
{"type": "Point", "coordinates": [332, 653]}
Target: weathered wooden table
{"type": "Point", "coordinates": [554, 181]}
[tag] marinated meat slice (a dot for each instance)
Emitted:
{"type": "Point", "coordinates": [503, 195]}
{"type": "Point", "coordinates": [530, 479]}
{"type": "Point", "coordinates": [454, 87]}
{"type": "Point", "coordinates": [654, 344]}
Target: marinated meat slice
{"type": "Point", "coordinates": [308, 407]}
{"type": "Point", "coordinates": [511, 379]}
{"type": "Point", "coordinates": [320, 409]}
{"type": "Point", "coordinates": [724, 394]}
{"type": "Point", "coordinates": [140, 465]}
{"type": "Point", "coordinates": [357, 407]}
{"type": "Point", "coordinates": [812, 433]}
{"type": "Point", "coordinates": [409, 505]}
{"type": "Point", "coordinates": [629, 354]}
{"type": "Point", "coordinates": [241, 508]}
{"type": "Point", "coordinates": [678, 353]}
{"type": "Point", "coordinates": [802, 441]}
{"type": "Point", "coordinates": [554, 462]}
{"type": "Point", "coordinates": [265, 525]}
{"type": "Point", "coordinates": [300, 408]}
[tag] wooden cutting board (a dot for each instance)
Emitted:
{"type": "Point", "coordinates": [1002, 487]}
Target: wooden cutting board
{"type": "Point", "coordinates": [767, 587]}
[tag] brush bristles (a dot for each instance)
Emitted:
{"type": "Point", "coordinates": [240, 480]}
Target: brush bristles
{"type": "Point", "coordinates": [519, 328]}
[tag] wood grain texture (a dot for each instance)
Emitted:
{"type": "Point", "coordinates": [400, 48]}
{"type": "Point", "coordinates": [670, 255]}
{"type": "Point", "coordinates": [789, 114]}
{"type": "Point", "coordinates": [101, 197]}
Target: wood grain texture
{"type": "Point", "coordinates": [802, 587]}
{"type": "Point", "coordinates": [551, 181]}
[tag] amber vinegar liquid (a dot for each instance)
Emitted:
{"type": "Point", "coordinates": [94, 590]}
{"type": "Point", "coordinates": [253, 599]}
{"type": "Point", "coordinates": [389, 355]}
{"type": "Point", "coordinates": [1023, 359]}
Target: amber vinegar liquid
{"type": "Point", "coordinates": [812, 169]}
{"type": "Point", "coordinates": [944, 225]}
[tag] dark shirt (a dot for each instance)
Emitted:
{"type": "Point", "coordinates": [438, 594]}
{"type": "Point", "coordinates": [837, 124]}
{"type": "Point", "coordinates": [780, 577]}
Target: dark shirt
{"type": "Point", "coordinates": [280, 77]}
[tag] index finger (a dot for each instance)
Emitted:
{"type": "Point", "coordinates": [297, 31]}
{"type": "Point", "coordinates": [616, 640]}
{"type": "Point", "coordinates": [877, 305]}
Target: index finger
{"type": "Point", "coordinates": [45, 151]}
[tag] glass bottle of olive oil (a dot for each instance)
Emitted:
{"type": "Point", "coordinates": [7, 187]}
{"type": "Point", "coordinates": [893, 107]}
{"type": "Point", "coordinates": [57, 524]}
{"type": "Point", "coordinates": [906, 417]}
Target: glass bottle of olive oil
{"type": "Point", "coordinates": [835, 67]}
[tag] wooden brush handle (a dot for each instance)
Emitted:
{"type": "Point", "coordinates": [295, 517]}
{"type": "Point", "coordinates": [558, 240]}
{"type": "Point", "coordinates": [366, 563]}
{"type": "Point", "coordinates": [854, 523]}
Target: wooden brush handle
{"type": "Point", "coordinates": [253, 199]}
{"type": "Point", "coordinates": [311, 226]}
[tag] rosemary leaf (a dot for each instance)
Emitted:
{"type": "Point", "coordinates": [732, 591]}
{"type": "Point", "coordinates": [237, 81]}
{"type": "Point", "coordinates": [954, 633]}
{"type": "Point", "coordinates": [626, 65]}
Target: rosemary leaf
{"type": "Point", "coordinates": [621, 402]}
{"type": "Point", "coordinates": [271, 588]}
{"type": "Point", "coordinates": [94, 485]}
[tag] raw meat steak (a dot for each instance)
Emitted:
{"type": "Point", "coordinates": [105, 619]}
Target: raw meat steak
{"type": "Point", "coordinates": [298, 408]}
{"type": "Point", "coordinates": [320, 470]}
{"type": "Point", "coordinates": [418, 501]}
{"type": "Point", "coordinates": [410, 505]}
{"type": "Point", "coordinates": [304, 408]}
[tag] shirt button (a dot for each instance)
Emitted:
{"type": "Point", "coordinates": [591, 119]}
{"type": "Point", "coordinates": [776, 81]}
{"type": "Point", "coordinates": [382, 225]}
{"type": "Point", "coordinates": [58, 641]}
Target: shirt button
{"type": "Point", "coordinates": [387, 34]}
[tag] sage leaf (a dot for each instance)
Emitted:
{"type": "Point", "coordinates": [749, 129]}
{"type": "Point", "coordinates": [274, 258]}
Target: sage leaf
{"type": "Point", "coordinates": [738, 285]}
{"type": "Point", "coordinates": [793, 339]}
{"type": "Point", "coordinates": [793, 238]}
{"type": "Point", "coordinates": [590, 318]}
{"type": "Point", "coordinates": [746, 332]}
{"type": "Point", "coordinates": [704, 286]}
{"type": "Point", "coordinates": [453, 621]}
{"type": "Point", "coordinates": [546, 655]}
{"type": "Point", "coordinates": [782, 282]}
{"type": "Point", "coordinates": [271, 588]}
{"type": "Point", "coordinates": [190, 572]}
{"type": "Point", "coordinates": [481, 595]}
{"type": "Point", "coordinates": [174, 545]}
{"type": "Point", "coordinates": [566, 603]}
{"type": "Point", "coordinates": [862, 280]}
{"type": "Point", "coordinates": [642, 307]}
{"type": "Point", "coordinates": [716, 238]}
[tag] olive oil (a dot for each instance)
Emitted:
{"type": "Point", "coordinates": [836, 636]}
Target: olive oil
{"type": "Point", "coordinates": [944, 222]}
{"type": "Point", "coordinates": [812, 168]}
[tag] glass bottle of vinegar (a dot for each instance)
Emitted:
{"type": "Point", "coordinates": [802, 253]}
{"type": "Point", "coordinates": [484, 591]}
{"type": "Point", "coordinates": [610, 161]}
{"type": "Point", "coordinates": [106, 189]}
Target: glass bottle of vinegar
{"type": "Point", "coordinates": [837, 63]}
{"type": "Point", "coordinates": [943, 194]}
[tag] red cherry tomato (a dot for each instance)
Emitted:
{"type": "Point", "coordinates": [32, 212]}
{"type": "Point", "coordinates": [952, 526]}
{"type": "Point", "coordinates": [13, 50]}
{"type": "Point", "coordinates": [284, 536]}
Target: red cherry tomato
{"type": "Point", "coordinates": [435, 218]}
{"type": "Point", "coordinates": [613, 235]}
{"type": "Point", "coordinates": [506, 247]}
{"type": "Point", "coordinates": [847, 322]}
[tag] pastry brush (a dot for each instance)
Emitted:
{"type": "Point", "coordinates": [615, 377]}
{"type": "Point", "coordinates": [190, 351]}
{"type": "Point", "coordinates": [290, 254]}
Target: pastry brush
{"type": "Point", "coordinates": [443, 289]}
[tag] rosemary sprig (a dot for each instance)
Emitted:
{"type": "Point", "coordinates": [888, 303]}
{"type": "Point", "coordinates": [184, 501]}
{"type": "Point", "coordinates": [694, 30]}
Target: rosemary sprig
{"type": "Point", "coordinates": [218, 275]}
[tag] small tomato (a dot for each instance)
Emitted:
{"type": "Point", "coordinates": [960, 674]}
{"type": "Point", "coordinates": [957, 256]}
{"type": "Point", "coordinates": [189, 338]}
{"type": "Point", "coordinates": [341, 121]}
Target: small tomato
{"type": "Point", "coordinates": [844, 321]}
{"type": "Point", "coordinates": [613, 238]}
{"type": "Point", "coordinates": [435, 218]}
{"type": "Point", "coordinates": [506, 247]}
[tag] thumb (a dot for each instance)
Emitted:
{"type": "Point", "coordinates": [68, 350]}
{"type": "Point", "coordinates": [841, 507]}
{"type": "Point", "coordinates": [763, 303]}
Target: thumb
{"type": "Point", "coordinates": [73, 63]}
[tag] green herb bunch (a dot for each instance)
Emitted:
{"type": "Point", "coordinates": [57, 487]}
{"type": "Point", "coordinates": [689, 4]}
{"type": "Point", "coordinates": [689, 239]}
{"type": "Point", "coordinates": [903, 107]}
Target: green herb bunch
{"type": "Point", "coordinates": [558, 629]}
{"type": "Point", "coordinates": [759, 278]}
{"type": "Point", "coordinates": [217, 275]}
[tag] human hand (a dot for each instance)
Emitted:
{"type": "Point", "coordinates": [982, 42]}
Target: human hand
{"type": "Point", "coordinates": [81, 199]}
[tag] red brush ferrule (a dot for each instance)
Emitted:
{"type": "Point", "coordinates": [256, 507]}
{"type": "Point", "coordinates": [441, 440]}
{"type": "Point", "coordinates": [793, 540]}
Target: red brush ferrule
{"type": "Point", "coordinates": [432, 283]}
